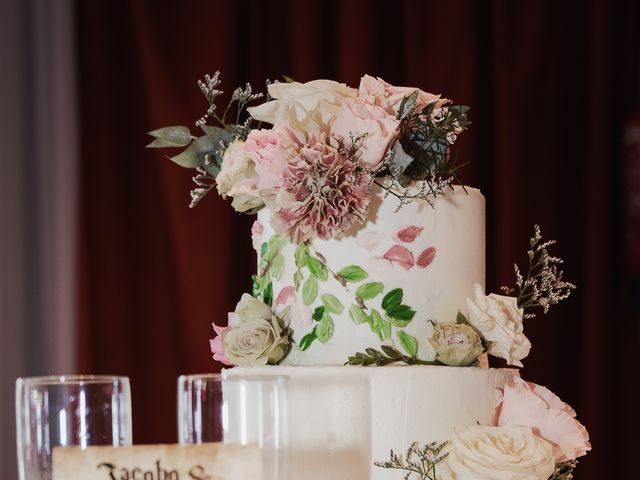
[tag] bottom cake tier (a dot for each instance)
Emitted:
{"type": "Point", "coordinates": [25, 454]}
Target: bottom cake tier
{"type": "Point", "coordinates": [340, 420]}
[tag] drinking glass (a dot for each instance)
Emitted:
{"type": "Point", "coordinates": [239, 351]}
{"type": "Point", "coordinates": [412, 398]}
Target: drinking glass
{"type": "Point", "coordinates": [236, 409]}
{"type": "Point", "coordinates": [68, 411]}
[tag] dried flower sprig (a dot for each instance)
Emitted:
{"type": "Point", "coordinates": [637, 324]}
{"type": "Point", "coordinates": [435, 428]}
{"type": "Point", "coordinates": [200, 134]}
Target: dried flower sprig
{"type": "Point", "coordinates": [543, 285]}
{"type": "Point", "coordinates": [419, 462]}
{"type": "Point", "coordinates": [564, 470]}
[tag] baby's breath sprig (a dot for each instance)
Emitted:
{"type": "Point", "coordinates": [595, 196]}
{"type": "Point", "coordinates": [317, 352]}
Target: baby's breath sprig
{"type": "Point", "coordinates": [419, 462]}
{"type": "Point", "coordinates": [543, 285]}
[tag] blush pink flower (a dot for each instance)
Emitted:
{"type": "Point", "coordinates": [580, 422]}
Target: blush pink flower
{"type": "Point", "coordinates": [530, 405]}
{"type": "Point", "coordinates": [322, 193]}
{"type": "Point", "coordinates": [378, 92]}
{"type": "Point", "coordinates": [216, 345]}
{"type": "Point", "coordinates": [270, 150]}
{"type": "Point", "coordinates": [372, 124]}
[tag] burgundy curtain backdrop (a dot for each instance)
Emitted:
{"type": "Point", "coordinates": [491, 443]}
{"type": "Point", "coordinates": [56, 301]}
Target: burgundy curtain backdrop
{"type": "Point", "coordinates": [550, 86]}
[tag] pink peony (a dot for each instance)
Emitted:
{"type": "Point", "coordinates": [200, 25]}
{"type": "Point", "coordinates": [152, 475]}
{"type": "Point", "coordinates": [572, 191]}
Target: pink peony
{"type": "Point", "coordinates": [216, 345]}
{"type": "Point", "coordinates": [322, 194]}
{"type": "Point", "coordinates": [256, 235]}
{"type": "Point", "coordinates": [378, 92]}
{"type": "Point", "coordinates": [530, 405]}
{"type": "Point", "coordinates": [375, 127]}
{"type": "Point", "coordinates": [270, 150]}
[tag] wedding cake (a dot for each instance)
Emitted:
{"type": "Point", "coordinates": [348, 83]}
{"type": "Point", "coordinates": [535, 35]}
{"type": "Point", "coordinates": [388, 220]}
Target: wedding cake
{"type": "Point", "coordinates": [369, 293]}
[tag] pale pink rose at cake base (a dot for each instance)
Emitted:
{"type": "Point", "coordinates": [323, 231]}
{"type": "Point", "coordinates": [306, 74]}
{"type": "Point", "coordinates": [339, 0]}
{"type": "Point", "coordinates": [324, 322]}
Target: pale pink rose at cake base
{"type": "Point", "coordinates": [216, 345]}
{"type": "Point", "coordinates": [374, 127]}
{"type": "Point", "coordinates": [257, 230]}
{"type": "Point", "coordinates": [378, 92]}
{"type": "Point", "coordinates": [530, 405]}
{"type": "Point", "coordinates": [270, 151]}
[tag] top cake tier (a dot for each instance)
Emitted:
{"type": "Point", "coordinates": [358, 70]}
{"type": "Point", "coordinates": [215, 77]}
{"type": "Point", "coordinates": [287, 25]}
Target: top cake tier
{"type": "Point", "coordinates": [381, 282]}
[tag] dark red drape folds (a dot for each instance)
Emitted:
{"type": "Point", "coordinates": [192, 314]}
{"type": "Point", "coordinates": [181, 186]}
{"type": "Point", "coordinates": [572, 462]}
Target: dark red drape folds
{"type": "Point", "coordinates": [549, 86]}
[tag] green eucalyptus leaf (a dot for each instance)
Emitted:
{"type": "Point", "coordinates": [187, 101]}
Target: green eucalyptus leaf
{"type": "Point", "coordinates": [277, 267]}
{"type": "Point", "coordinates": [174, 136]}
{"type": "Point", "coordinates": [318, 313]}
{"type": "Point", "coordinates": [392, 299]}
{"type": "Point", "coordinates": [325, 329]}
{"type": "Point", "coordinates": [461, 319]}
{"type": "Point", "coordinates": [353, 273]}
{"type": "Point", "coordinates": [267, 294]}
{"type": "Point", "coordinates": [357, 315]}
{"type": "Point", "coordinates": [332, 304]}
{"type": "Point", "coordinates": [307, 340]}
{"type": "Point", "coordinates": [217, 134]}
{"type": "Point", "coordinates": [367, 291]}
{"type": "Point", "coordinates": [300, 255]}
{"type": "Point", "coordinates": [193, 155]}
{"type": "Point", "coordinates": [310, 290]}
{"type": "Point", "coordinates": [317, 268]}
{"type": "Point", "coordinates": [409, 343]}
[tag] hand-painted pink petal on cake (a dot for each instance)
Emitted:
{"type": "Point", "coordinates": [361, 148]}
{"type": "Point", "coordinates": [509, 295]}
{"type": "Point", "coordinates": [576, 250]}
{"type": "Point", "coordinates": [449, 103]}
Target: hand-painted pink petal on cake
{"type": "Point", "coordinates": [286, 294]}
{"type": "Point", "coordinates": [370, 240]}
{"type": "Point", "coordinates": [378, 266]}
{"type": "Point", "coordinates": [300, 313]}
{"type": "Point", "coordinates": [401, 256]}
{"type": "Point", "coordinates": [426, 257]}
{"type": "Point", "coordinates": [407, 234]}
{"type": "Point", "coordinates": [256, 235]}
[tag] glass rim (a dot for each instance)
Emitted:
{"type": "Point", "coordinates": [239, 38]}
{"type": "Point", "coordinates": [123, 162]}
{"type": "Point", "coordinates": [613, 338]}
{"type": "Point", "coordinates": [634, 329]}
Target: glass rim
{"type": "Point", "coordinates": [71, 380]}
{"type": "Point", "coordinates": [241, 377]}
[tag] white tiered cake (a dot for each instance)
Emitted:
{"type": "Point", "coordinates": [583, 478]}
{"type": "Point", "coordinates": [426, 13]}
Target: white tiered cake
{"type": "Point", "coordinates": [369, 294]}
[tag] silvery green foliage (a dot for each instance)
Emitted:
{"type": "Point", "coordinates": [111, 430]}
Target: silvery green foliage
{"type": "Point", "coordinates": [419, 462]}
{"type": "Point", "coordinates": [204, 153]}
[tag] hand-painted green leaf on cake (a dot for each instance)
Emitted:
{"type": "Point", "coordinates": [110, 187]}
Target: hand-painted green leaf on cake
{"type": "Point", "coordinates": [353, 273]}
{"type": "Point", "coordinates": [307, 340]}
{"type": "Point", "coordinates": [369, 290]}
{"type": "Point", "coordinates": [357, 315]}
{"type": "Point", "coordinates": [332, 304]}
{"type": "Point", "coordinates": [392, 299]}
{"type": "Point", "coordinates": [297, 279]}
{"type": "Point", "coordinates": [379, 325]}
{"type": "Point", "coordinates": [316, 268]}
{"type": "Point", "coordinates": [325, 329]}
{"type": "Point", "coordinates": [310, 291]}
{"type": "Point", "coordinates": [267, 294]}
{"type": "Point", "coordinates": [401, 315]}
{"type": "Point", "coordinates": [277, 267]}
{"type": "Point", "coordinates": [300, 255]}
{"type": "Point", "coordinates": [409, 343]}
{"type": "Point", "coordinates": [318, 313]}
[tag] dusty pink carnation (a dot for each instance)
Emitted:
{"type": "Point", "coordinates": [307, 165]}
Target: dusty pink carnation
{"type": "Point", "coordinates": [529, 405]}
{"type": "Point", "coordinates": [322, 194]}
{"type": "Point", "coordinates": [216, 345]}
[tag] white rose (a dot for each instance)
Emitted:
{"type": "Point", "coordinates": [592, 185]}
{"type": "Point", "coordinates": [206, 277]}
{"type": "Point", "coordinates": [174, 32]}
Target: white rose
{"type": "Point", "coordinates": [238, 178]}
{"type": "Point", "coordinates": [309, 107]}
{"type": "Point", "coordinates": [255, 336]}
{"type": "Point", "coordinates": [500, 453]}
{"type": "Point", "coordinates": [457, 345]}
{"type": "Point", "coordinates": [499, 321]}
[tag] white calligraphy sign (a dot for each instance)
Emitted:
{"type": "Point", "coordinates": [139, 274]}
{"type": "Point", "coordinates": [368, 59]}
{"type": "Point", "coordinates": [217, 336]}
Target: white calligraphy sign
{"type": "Point", "coordinates": [213, 461]}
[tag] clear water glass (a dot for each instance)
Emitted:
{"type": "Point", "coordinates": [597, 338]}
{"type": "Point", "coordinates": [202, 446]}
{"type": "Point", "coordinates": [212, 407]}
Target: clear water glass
{"type": "Point", "coordinates": [68, 411]}
{"type": "Point", "coordinates": [238, 409]}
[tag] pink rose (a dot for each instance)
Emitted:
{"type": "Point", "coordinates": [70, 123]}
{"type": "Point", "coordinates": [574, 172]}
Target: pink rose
{"type": "Point", "coordinates": [378, 92]}
{"type": "Point", "coordinates": [270, 150]}
{"type": "Point", "coordinates": [372, 123]}
{"type": "Point", "coordinates": [216, 345]}
{"type": "Point", "coordinates": [530, 405]}
{"type": "Point", "coordinates": [256, 235]}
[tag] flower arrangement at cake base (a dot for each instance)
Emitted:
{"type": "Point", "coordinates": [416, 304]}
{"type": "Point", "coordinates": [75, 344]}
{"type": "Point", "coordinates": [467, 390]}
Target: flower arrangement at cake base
{"type": "Point", "coordinates": [371, 254]}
